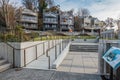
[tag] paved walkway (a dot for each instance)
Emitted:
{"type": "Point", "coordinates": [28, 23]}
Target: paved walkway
{"type": "Point", "coordinates": [33, 74]}
{"type": "Point", "coordinates": [80, 62]}
{"type": "Point", "coordinates": [74, 76]}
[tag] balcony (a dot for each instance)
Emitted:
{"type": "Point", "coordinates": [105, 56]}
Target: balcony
{"type": "Point", "coordinates": [29, 20]}
{"type": "Point", "coordinates": [64, 23]}
{"type": "Point", "coordinates": [87, 20]}
{"type": "Point", "coordinates": [29, 12]}
{"type": "Point", "coordinates": [50, 22]}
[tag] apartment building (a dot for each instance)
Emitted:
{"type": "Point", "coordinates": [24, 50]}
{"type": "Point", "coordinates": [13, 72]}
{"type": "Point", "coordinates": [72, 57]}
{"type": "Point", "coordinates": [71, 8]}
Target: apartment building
{"type": "Point", "coordinates": [63, 21]}
{"type": "Point", "coordinates": [28, 19]}
{"type": "Point", "coordinates": [66, 21]}
{"type": "Point", "coordinates": [91, 26]}
{"type": "Point", "coordinates": [50, 20]}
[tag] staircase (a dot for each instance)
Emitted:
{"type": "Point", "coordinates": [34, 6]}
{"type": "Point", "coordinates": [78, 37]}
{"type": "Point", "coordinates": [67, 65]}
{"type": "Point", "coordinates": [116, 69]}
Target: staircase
{"type": "Point", "coordinates": [84, 47]}
{"type": "Point", "coordinates": [4, 65]}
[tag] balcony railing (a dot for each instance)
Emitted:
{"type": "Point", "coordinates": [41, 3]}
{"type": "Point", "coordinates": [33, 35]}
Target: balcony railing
{"type": "Point", "coordinates": [29, 20]}
{"type": "Point", "coordinates": [54, 22]}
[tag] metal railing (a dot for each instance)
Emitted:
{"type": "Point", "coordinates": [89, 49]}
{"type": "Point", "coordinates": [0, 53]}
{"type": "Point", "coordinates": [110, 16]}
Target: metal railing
{"type": "Point", "coordinates": [62, 44]}
{"type": "Point", "coordinates": [109, 34]}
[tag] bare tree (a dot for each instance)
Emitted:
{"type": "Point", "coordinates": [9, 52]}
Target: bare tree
{"type": "Point", "coordinates": [78, 23]}
{"type": "Point", "coordinates": [7, 14]}
{"type": "Point", "coordinates": [53, 9]}
{"type": "Point", "coordinates": [4, 12]}
{"type": "Point", "coordinates": [50, 3]}
{"type": "Point", "coordinates": [29, 4]}
{"type": "Point", "coordinates": [83, 12]}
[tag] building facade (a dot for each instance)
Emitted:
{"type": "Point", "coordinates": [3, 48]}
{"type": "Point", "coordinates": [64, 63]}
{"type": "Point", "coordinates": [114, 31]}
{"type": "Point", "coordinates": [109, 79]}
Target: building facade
{"type": "Point", "coordinates": [28, 19]}
{"type": "Point", "coordinates": [91, 26]}
{"type": "Point", "coordinates": [50, 21]}
{"type": "Point", "coordinates": [66, 21]}
{"type": "Point", "coordinates": [62, 21]}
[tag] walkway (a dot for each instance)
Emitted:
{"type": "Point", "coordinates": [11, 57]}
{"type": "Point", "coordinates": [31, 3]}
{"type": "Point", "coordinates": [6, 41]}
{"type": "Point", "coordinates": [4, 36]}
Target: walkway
{"type": "Point", "coordinates": [80, 62]}
{"type": "Point", "coordinates": [33, 74]}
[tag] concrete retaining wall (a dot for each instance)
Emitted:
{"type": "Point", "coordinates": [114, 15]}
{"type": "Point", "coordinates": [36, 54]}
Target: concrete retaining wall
{"type": "Point", "coordinates": [25, 52]}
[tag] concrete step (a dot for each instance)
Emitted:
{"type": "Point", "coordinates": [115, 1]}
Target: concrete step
{"type": "Point", "coordinates": [77, 47]}
{"type": "Point", "coordinates": [5, 66]}
{"type": "Point", "coordinates": [83, 51]}
{"type": "Point", "coordinates": [84, 48]}
{"type": "Point", "coordinates": [2, 61]}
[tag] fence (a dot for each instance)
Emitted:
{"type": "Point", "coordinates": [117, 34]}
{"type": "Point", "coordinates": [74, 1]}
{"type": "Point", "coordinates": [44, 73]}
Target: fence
{"type": "Point", "coordinates": [104, 68]}
{"type": "Point", "coordinates": [109, 34]}
{"type": "Point", "coordinates": [21, 54]}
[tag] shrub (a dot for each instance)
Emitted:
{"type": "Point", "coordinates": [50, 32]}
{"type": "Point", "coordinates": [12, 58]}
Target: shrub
{"type": "Point", "coordinates": [34, 34]}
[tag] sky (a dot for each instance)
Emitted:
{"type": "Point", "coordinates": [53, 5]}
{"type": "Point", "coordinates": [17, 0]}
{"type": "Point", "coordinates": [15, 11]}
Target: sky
{"type": "Point", "coordinates": [102, 9]}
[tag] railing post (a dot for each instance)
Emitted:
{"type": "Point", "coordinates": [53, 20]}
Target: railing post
{"type": "Point", "coordinates": [62, 44]}
{"type": "Point", "coordinates": [111, 69]}
{"type": "Point", "coordinates": [60, 47]}
{"type": "Point", "coordinates": [13, 58]}
{"type": "Point", "coordinates": [48, 62]}
{"type": "Point", "coordinates": [55, 51]}
{"type": "Point", "coordinates": [52, 43]}
{"type": "Point", "coordinates": [48, 44]}
{"type": "Point", "coordinates": [36, 51]}
{"type": "Point", "coordinates": [47, 53]}
{"type": "Point", "coordinates": [43, 48]}
{"type": "Point", "coordinates": [24, 58]}
{"type": "Point", "coordinates": [111, 73]}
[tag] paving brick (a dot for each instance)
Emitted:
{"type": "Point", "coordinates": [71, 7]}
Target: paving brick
{"type": "Point", "coordinates": [80, 62]}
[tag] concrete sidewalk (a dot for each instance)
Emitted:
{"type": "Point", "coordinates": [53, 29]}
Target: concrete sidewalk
{"type": "Point", "coordinates": [80, 62]}
{"type": "Point", "coordinates": [33, 74]}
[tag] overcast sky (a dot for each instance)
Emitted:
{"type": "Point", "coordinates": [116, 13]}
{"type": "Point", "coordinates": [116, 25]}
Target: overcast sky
{"type": "Point", "coordinates": [98, 8]}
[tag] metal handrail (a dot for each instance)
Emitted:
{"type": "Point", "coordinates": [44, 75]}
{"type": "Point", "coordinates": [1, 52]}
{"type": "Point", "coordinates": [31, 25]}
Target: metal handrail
{"type": "Point", "coordinates": [36, 51]}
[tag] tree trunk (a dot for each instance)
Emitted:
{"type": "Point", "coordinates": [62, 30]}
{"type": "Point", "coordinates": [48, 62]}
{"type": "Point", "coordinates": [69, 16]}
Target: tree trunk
{"type": "Point", "coordinates": [40, 21]}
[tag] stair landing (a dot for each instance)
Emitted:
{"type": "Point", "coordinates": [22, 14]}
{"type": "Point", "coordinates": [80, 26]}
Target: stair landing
{"type": "Point", "coordinates": [4, 65]}
{"type": "Point", "coordinates": [80, 62]}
